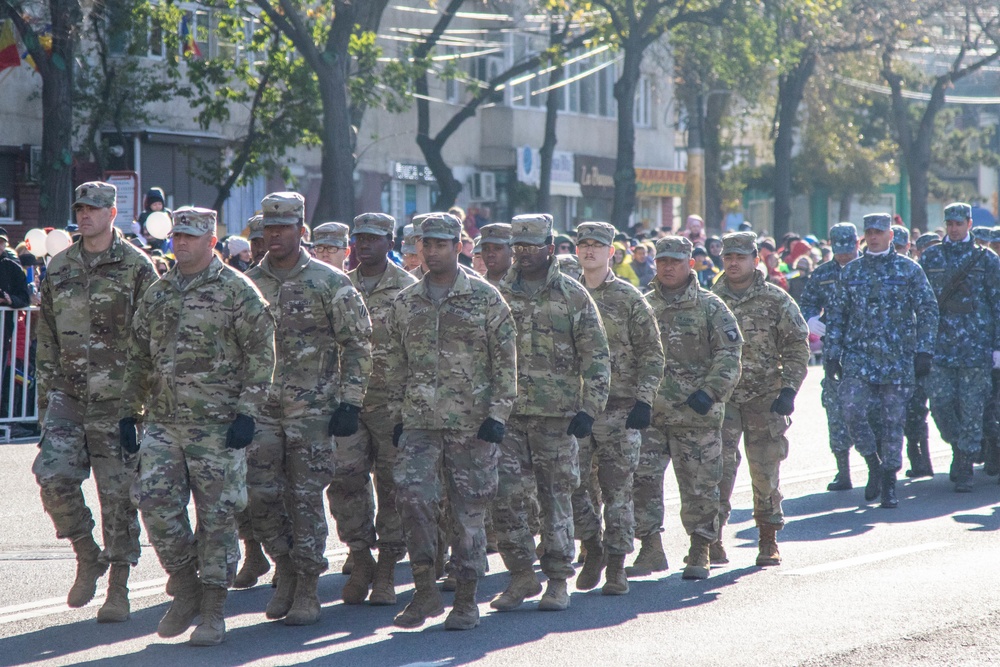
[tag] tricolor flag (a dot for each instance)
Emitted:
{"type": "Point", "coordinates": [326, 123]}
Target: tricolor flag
{"type": "Point", "coordinates": [189, 46]}
{"type": "Point", "coordinates": [10, 54]}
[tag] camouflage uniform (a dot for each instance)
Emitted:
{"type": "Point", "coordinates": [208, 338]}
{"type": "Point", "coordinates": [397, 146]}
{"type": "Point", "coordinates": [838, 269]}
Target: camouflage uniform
{"type": "Point", "coordinates": [702, 346]}
{"type": "Point", "coordinates": [775, 357]}
{"type": "Point", "coordinates": [370, 450]}
{"type": "Point", "coordinates": [959, 384]}
{"type": "Point", "coordinates": [83, 331]}
{"type": "Point", "coordinates": [884, 314]}
{"type": "Point", "coordinates": [636, 372]}
{"type": "Point", "coordinates": [323, 358]}
{"type": "Point", "coordinates": [200, 354]}
{"type": "Point", "coordinates": [563, 368]}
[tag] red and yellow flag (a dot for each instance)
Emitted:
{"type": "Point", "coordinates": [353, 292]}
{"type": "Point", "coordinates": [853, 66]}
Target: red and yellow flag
{"type": "Point", "coordinates": [10, 53]}
{"type": "Point", "coordinates": [189, 45]}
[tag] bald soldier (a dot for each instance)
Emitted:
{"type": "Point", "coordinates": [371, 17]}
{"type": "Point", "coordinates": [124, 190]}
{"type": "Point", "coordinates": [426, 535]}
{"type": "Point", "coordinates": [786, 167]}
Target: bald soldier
{"type": "Point", "coordinates": [200, 365]}
{"type": "Point", "coordinates": [323, 360]}
{"type": "Point", "coordinates": [89, 297]}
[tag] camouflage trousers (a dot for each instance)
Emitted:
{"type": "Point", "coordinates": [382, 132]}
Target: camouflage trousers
{"type": "Point", "coordinates": [840, 437]}
{"type": "Point", "coordinates": [958, 401]}
{"type": "Point", "coordinates": [288, 465]}
{"type": "Point", "coordinates": [430, 466]}
{"type": "Point", "coordinates": [536, 452]}
{"type": "Point", "coordinates": [991, 414]}
{"type": "Point", "coordinates": [615, 449]}
{"type": "Point", "coordinates": [888, 401]}
{"type": "Point", "coordinates": [176, 462]}
{"type": "Point", "coordinates": [915, 427]}
{"type": "Point", "coordinates": [67, 452]}
{"type": "Point", "coordinates": [765, 444]}
{"type": "Point", "coordinates": [244, 526]}
{"type": "Point", "coordinates": [647, 483]}
{"type": "Point", "coordinates": [351, 496]}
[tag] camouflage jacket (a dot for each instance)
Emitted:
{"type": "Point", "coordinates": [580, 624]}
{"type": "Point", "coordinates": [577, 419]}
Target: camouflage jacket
{"type": "Point", "coordinates": [883, 314]}
{"type": "Point", "coordinates": [83, 331]}
{"type": "Point", "coordinates": [969, 325]}
{"type": "Point", "coordinates": [564, 365]}
{"type": "Point", "coordinates": [702, 345]}
{"type": "Point", "coordinates": [379, 302]}
{"type": "Point", "coordinates": [321, 338]}
{"type": "Point", "coordinates": [201, 353]}
{"type": "Point", "coordinates": [820, 289]}
{"type": "Point", "coordinates": [633, 339]}
{"type": "Point", "coordinates": [775, 338]}
{"type": "Point", "coordinates": [455, 363]}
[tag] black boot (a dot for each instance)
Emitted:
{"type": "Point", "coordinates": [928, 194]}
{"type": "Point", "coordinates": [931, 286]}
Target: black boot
{"type": "Point", "coordinates": [874, 486]}
{"type": "Point", "coordinates": [953, 470]}
{"type": "Point", "coordinates": [889, 489]}
{"type": "Point", "coordinates": [963, 471]}
{"type": "Point", "coordinates": [842, 481]}
{"type": "Point", "coordinates": [913, 454]}
{"type": "Point", "coordinates": [992, 467]}
{"type": "Point", "coordinates": [926, 469]}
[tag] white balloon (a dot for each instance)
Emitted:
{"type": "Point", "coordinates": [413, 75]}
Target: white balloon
{"type": "Point", "coordinates": [159, 224]}
{"type": "Point", "coordinates": [58, 240]}
{"type": "Point", "coordinates": [35, 240]}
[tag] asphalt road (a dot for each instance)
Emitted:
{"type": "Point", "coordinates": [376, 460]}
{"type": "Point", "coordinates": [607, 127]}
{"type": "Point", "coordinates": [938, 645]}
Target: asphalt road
{"type": "Point", "coordinates": [859, 586]}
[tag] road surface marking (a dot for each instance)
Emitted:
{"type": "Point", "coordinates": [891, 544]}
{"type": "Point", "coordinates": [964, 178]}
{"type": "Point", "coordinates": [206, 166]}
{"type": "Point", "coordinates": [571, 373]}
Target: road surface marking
{"type": "Point", "coordinates": [864, 560]}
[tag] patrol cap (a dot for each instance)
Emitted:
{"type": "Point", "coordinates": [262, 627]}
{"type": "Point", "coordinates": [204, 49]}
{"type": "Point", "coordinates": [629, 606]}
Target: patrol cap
{"type": "Point", "coordinates": [900, 235]}
{"type": "Point", "coordinates": [674, 247]}
{"type": "Point", "coordinates": [379, 224]}
{"type": "Point", "coordinates": [194, 221]}
{"type": "Point", "coordinates": [331, 233]}
{"type": "Point", "coordinates": [843, 238]}
{"type": "Point", "coordinates": [995, 235]}
{"type": "Point", "coordinates": [981, 233]}
{"type": "Point", "coordinates": [439, 226]}
{"type": "Point", "coordinates": [477, 245]}
{"type": "Point", "coordinates": [925, 241]}
{"type": "Point", "coordinates": [882, 221]}
{"type": "Point", "coordinates": [255, 226]}
{"type": "Point", "coordinates": [957, 211]}
{"type": "Point", "coordinates": [497, 233]}
{"type": "Point", "coordinates": [97, 194]}
{"type": "Point", "coordinates": [410, 237]}
{"type": "Point", "coordinates": [283, 208]}
{"type": "Point", "coordinates": [740, 243]}
{"type": "Point", "coordinates": [602, 232]}
{"type": "Point", "coordinates": [531, 229]}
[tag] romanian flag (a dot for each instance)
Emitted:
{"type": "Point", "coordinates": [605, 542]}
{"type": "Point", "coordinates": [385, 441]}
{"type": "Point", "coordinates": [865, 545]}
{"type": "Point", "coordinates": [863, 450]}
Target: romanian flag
{"type": "Point", "coordinates": [10, 54]}
{"type": "Point", "coordinates": [189, 46]}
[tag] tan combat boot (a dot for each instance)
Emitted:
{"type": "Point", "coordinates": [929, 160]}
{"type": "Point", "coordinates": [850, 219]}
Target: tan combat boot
{"type": "Point", "coordinates": [186, 588]}
{"type": "Point", "coordinates": [116, 608]}
{"type": "Point", "coordinates": [362, 573]}
{"type": "Point", "coordinates": [615, 581]}
{"type": "Point", "coordinates": [556, 596]}
{"type": "Point", "coordinates": [305, 608]}
{"type": "Point", "coordinates": [255, 565]}
{"type": "Point", "coordinates": [650, 559]}
{"type": "Point", "coordinates": [284, 592]}
{"type": "Point", "coordinates": [384, 582]}
{"type": "Point", "coordinates": [768, 545]}
{"type": "Point", "coordinates": [593, 564]}
{"type": "Point", "coordinates": [464, 614]}
{"type": "Point", "coordinates": [426, 602]}
{"type": "Point", "coordinates": [212, 629]}
{"type": "Point", "coordinates": [523, 584]}
{"type": "Point", "coordinates": [697, 559]}
{"type": "Point", "coordinates": [717, 552]}
{"type": "Point", "coordinates": [348, 565]}
{"type": "Point", "coordinates": [89, 569]}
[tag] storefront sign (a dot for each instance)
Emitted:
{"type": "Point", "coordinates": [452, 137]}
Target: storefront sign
{"type": "Point", "coordinates": [127, 201]}
{"type": "Point", "coordinates": [413, 172]}
{"type": "Point", "coordinates": [596, 176]}
{"type": "Point", "coordinates": [660, 183]}
{"type": "Point", "coordinates": [529, 166]}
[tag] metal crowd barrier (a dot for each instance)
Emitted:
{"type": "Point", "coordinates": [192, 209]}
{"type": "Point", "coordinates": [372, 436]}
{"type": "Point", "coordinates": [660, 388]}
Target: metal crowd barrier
{"type": "Point", "coordinates": [18, 394]}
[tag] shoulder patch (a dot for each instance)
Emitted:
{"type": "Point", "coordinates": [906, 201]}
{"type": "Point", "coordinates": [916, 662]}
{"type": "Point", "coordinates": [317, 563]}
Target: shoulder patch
{"type": "Point", "coordinates": [732, 334]}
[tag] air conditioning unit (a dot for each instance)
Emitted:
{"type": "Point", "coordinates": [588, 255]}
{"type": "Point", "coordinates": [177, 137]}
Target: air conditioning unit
{"type": "Point", "coordinates": [483, 186]}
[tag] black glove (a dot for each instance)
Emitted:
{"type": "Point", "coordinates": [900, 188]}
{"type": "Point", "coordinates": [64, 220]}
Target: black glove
{"type": "Point", "coordinates": [922, 364]}
{"type": "Point", "coordinates": [240, 432]}
{"type": "Point", "coordinates": [832, 369]}
{"type": "Point", "coordinates": [581, 425]}
{"type": "Point", "coordinates": [785, 403]}
{"type": "Point", "coordinates": [491, 431]}
{"type": "Point", "coordinates": [700, 402]}
{"type": "Point", "coordinates": [640, 416]}
{"type": "Point", "coordinates": [397, 431]}
{"type": "Point", "coordinates": [344, 421]}
{"type": "Point", "coordinates": [127, 437]}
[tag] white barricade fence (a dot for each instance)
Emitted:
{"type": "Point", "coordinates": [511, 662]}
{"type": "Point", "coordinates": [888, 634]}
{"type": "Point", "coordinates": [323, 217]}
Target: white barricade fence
{"type": "Point", "coordinates": [18, 393]}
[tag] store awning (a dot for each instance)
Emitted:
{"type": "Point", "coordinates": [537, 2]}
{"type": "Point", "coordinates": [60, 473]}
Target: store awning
{"type": "Point", "coordinates": [565, 189]}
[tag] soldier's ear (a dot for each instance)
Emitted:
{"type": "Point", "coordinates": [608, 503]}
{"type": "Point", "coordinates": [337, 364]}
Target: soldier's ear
{"type": "Point", "coordinates": [691, 262]}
